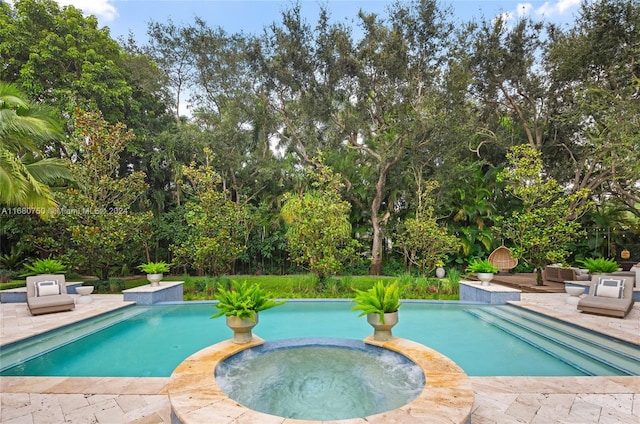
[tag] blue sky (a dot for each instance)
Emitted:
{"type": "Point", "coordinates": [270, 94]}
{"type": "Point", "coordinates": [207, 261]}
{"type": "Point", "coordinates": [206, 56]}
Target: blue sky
{"type": "Point", "coordinates": [251, 16]}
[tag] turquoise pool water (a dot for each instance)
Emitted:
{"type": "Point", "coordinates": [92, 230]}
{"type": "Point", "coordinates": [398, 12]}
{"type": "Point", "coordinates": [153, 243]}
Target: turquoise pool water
{"type": "Point", "coordinates": [155, 339]}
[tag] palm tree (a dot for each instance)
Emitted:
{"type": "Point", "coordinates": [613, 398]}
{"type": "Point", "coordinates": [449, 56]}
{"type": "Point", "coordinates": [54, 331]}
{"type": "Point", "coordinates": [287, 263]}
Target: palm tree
{"type": "Point", "coordinates": [25, 174]}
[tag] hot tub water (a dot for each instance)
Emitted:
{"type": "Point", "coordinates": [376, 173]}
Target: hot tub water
{"type": "Point", "coordinates": [340, 380]}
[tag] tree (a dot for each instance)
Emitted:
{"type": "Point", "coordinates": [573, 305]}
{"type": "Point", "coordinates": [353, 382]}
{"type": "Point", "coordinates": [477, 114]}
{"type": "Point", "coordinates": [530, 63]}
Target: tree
{"type": "Point", "coordinates": [370, 101]}
{"type": "Point", "coordinates": [169, 46]}
{"type": "Point", "coordinates": [319, 231]}
{"type": "Point", "coordinates": [571, 95]}
{"type": "Point", "coordinates": [595, 72]}
{"type": "Point", "coordinates": [508, 78]}
{"type": "Point", "coordinates": [547, 221]}
{"type": "Point", "coordinates": [230, 108]}
{"type": "Point", "coordinates": [471, 200]}
{"type": "Point", "coordinates": [101, 213]}
{"type": "Point", "coordinates": [25, 173]}
{"type": "Point", "coordinates": [162, 158]}
{"type": "Point", "coordinates": [61, 57]}
{"type": "Point", "coordinates": [218, 227]}
{"type": "Point", "coordinates": [228, 115]}
{"type": "Point", "coordinates": [424, 241]}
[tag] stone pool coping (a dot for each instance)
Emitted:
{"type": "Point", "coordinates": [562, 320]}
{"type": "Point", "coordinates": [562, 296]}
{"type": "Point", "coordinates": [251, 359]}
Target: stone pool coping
{"type": "Point", "coordinates": [597, 400]}
{"type": "Point", "coordinates": [166, 291]}
{"type": "Point", "coordinates": [195, 397]}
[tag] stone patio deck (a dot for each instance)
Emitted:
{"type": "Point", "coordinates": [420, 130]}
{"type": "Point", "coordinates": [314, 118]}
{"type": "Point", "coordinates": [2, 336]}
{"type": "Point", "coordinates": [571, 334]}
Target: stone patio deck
{"type": "Point", "coordinates": [54, 400]}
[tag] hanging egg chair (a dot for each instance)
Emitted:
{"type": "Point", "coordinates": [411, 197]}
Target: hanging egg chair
{"type": "Point", "coordinates": [502, 259]}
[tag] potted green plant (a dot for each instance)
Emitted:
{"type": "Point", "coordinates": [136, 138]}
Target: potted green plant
{"type": "Point", "coordinates": [483, 269]}
{"type": "Point", "coordinates": [241, 305]}
{"type": "Point", "coordinates": [380, 304]}
{"type": "Point", "coordinates": [44, 266]}
{"type": "Point", "coordinates": [599, 265]}
{"type": "Point", "coordinates": [154, 271]}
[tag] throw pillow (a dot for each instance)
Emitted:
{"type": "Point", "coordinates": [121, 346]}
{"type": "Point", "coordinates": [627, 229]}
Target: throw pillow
{"type": "Point", "coordinates": [609, 288]}
{"type": "Point", "coordinates": [47, 288]}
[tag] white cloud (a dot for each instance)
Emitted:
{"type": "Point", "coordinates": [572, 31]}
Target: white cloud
{"type": "Point", "coordinates": [559, 7]}
{"type": "Point", "coordinates": [104, 10]}
{"type": "Point", "coordinates": [524, 9]}
{"type": "Point", "coordinates": [551, 9]}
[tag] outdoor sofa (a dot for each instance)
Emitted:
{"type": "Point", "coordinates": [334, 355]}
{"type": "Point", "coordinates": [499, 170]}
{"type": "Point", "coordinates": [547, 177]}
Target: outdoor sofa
{"type": "Point", "coordinates": [560, 274]}
{"type": "Point", "coordinates": [48, 293]}
{"type": "Point", "coordinates": [609, 295]}
{"type": "Point", "coordinates": [633, 272]}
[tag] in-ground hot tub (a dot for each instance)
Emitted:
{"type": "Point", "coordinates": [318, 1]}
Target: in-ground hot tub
{"type": "Point", "coordinates": [320, 379]}
{"type": "Point", "coordinates": [196, 396]}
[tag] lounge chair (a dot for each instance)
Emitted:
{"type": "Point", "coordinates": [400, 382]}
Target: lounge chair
{"type": "Point", "coordinates": [48, 293]}
{"type": "Point", "coordinates": [609, 295]}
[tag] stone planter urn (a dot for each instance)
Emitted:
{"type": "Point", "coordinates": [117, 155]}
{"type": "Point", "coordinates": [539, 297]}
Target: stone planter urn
{"type": "Point", "coordinates": [241, 328]}
{"type": "Point", "coordinates": [484, 277]}
{"type": "Point", "coordinates": [84, 292]}
{"type": "Point", "coordinates": [382, 331]}
{"type": "Point", "coordinates": [574, 294]}
{"type": "Point", "coordinates": [154, 279]}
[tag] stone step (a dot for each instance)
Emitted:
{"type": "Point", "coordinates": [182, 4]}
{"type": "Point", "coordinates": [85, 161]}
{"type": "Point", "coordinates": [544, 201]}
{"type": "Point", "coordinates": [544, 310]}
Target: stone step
{"type": "Point", "coordinates": [587, 351]}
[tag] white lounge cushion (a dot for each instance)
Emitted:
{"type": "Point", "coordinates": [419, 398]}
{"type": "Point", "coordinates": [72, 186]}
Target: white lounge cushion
{"type": "Point", "coordinates": [47, 288]}
{"type": "Point", "coordinates": [609, 287]}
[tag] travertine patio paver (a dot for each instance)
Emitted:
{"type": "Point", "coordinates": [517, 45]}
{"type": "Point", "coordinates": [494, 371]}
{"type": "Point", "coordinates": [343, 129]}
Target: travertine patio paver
{"type": "Point", "coordinates": [499, 400]}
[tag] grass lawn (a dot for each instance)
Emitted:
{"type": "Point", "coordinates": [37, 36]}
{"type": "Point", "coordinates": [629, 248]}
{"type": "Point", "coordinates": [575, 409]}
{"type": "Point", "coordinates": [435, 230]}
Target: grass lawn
{"type": "Point", "coordinates": [285, 286]}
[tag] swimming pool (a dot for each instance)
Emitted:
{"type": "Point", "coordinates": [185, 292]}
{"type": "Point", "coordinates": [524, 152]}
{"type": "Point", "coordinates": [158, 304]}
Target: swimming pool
{"type": "Point", "coordinates": [483, 340]}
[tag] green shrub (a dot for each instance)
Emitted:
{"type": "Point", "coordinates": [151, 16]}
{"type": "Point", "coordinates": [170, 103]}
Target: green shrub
{"type": "Point", "coordinates": [225, 281]}
{"type": "Point", "coordinates": [433, 287]}
{"type": "Point", "coordinates": [421, 285]}
{"type": "Point", "coordinates": [13, 259]}
{"type": "Point", "coordinates": [347, 281]}
{"type": "Point", "coordinates": [292, 286]}
{"type": "Point", "coordinates": [45, 266]}
{"type": "Point", "coordinates": [595, 265]}
{"type": "Point", "coordinates": [393, 267]}
{"type": "Point", "coordinates": [116, 285]}
{"type": "Point", "coordinates": [101, 286]}
{"type": "Point", "coordinates": [7, 275]}
{"type": "Point", "coordinates": [359, 266]}
{"type": "Point", "coordinates": [201, 285]}
{"type": "Point", "coordinates": [523, 267]}
{"type": "Point", "coordinates": [406, 279]}
{"type": "Point", "coordinates": [73, 276]}
{"type": "Point", "coordinates": [110, 286]}
{"type": "Point", "coordinates": [333, 286]}
{"type": "Point", "coordinates": [451, 284]}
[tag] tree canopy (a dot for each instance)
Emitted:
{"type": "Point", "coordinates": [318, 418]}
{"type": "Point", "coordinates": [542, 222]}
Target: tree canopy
{"type": "Point", "coordinates": [391, 99]}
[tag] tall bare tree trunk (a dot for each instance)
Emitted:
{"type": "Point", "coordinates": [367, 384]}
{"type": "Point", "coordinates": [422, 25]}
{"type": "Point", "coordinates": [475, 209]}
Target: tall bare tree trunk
{"type": "Point", "coordinates": [376, 247]}
{"type": "Point", "coordinates": [378, 221]}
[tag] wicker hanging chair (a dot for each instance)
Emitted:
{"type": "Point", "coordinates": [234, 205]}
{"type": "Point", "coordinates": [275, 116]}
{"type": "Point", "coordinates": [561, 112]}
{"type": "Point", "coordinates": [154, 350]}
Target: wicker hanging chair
{"type": "Point", "coordinates": [502, 259]}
